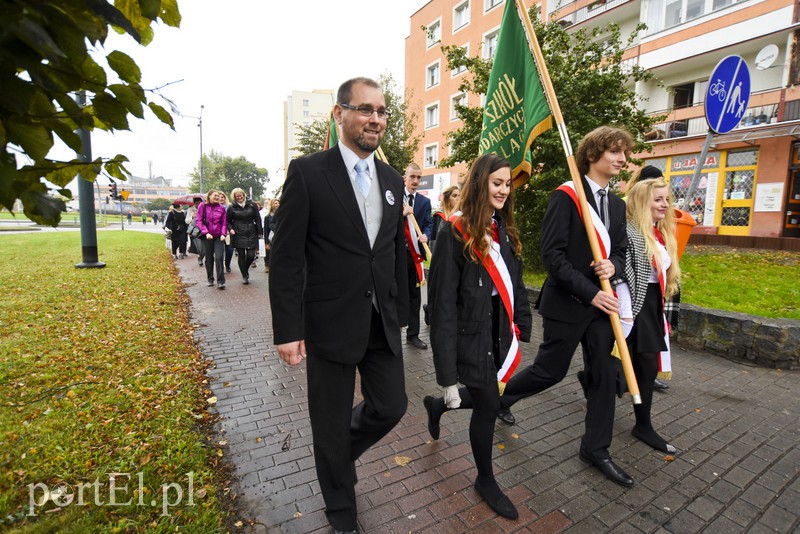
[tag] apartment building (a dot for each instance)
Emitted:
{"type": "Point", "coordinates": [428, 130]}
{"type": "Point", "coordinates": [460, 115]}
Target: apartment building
{"type": "Point", "coordinates": [750, 181]}
{"type": "Point", "coordinates": [301, 108]}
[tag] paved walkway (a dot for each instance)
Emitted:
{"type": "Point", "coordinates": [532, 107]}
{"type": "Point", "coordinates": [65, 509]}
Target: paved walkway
{"type": "Point", "coordinates": [737, 429]}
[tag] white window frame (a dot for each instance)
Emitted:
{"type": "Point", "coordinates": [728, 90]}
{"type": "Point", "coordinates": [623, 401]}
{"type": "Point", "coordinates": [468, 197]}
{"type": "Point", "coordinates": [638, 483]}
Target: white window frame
{"type": "Point", "coordinates": [494, 32]}
{"type": "Point", "coordinates": [437, 38]}
{"type": "Point", "coordinates": [488, 5]}
{"type": "Point", "coordinates": [460, 70]}
{"type": "Point", "coordinates": [463, 7]}
{"type": "Point", "coordinates": [432, 148]}
{"type": "Point", "coordinates": [428, 71]}
{"type": "Point", "coordinates": [432, 115]}
{"type": "Point", "coordinates": [454, 99]}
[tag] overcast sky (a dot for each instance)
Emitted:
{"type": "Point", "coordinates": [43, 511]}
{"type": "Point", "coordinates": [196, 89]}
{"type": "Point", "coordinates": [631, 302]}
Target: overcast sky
{"type": "Point", "coordinates": [241, 59]}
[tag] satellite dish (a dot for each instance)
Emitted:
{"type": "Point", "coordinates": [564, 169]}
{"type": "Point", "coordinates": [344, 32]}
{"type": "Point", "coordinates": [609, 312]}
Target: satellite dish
{"type": "Point", "coordinates": [766, 57]}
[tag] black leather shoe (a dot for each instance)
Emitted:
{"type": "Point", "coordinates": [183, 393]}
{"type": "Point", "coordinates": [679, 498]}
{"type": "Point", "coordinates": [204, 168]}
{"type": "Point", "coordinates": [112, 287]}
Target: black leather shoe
{"type": "Point", "coordinates": [417, 342]}
{"type": "Point", "coordinates": [506, 416]}
{"type": "Point", "coordinates": [433, 418]}
{"type": "Point", "coordinates": [502, 505]}
{"type": "Point", "coordinates": [658, 385]}
{"type": "Point", "coordinates": [611, 470]}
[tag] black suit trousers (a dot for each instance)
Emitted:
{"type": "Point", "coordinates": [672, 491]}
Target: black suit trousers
{"type": "Point", "coordinates": [343, 432]}
{"type": "Point", "coordinates": [552, 362]}
{"type": "Point", "coordinates": [414, 298]}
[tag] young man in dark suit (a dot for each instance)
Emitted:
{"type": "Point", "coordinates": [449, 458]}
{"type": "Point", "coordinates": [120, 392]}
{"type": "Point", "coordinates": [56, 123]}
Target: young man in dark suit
{"type": "Point", "coordinates": [420, 206]}
{"type": "Point", "coordinates": [337, 287]}
{"type": "Point", "coordinates": [573, 307]}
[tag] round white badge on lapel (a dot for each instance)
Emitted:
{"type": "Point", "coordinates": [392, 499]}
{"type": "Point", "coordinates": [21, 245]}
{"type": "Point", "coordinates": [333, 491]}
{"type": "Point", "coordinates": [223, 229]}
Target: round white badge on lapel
{"type": "Point", "coordinates": [389, 197]}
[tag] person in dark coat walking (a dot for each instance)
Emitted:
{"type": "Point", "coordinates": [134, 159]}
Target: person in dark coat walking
{"type": "Point", "coordinates": [479, 313]}
{"type": "Point", "coordinates": [244, 226]}
{"type": "Point", "coordinates": [176, 222]}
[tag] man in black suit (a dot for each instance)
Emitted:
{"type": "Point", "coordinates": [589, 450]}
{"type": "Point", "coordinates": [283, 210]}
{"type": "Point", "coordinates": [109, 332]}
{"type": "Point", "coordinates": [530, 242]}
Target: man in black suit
{"type": "Point", "coordinates": [420, 206]}
{"type": "Point", "coordinates": [338, 292]}
{"type": "Point", "coordinates": [573, 308]}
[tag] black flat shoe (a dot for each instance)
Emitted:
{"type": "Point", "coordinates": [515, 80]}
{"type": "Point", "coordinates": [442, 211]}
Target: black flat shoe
{"type": "Point", "coordinates": [611, 470]}
{"type": "Point", "coordinates": [499, 503]}
{"type": "Point", "coordinates": [658, 385]}
{"type": "Point", "coordinates": [433, 419]}
{"type": "Point", "coordinates": [506, 416]}
{"type": "Point", "coordinates": [651, 437]}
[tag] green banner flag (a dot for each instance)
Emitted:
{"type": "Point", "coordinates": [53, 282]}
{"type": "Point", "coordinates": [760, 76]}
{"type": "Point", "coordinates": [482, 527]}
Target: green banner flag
{"type": "Point", "coordinates": [516, 109]}
{"type": "Point", "coordinates": [333, 134]}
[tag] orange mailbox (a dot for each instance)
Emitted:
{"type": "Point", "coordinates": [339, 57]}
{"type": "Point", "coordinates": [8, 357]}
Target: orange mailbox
{"type": "Point", "coordinates": [683, 229]}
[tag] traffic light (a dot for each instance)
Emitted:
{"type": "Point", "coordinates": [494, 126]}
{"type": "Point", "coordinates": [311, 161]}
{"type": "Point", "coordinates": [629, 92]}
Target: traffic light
{"type": "Point", "coordinates": [113, 191]}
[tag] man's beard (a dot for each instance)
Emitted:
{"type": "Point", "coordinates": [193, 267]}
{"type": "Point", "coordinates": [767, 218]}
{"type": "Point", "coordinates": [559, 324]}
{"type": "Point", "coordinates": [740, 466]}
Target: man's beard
{"type": "Point", "coordinates": [363, 144]}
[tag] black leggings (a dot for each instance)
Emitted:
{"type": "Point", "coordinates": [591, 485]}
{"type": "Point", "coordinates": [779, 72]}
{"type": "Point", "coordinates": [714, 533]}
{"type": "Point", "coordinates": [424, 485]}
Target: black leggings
{"type": "Point", "coordinates": [245, 258]}
{"type": "Point", "coordinates": [484, 403]}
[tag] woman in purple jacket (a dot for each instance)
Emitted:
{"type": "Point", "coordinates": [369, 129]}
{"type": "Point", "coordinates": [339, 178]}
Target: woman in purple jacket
{"type": "Point", "coordinates": [212, 220]}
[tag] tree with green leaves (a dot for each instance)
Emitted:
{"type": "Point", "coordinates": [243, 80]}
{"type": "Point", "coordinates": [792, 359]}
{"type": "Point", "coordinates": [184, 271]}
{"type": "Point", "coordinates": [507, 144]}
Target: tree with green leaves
{"type": "Point", "coordinates": [399, 143]}
{"type": "Point", "coordinates": [227, 173]}
{"type": "Point", "coordinates": [45, 62]}
{"type": "Point", "coordinates": [593, 86]}
{"type": "Point", "coordinates": [159, 204]}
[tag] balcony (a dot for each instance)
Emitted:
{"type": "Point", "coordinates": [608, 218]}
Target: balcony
{"type": "Point", "coordinates": [763, 112]}
{"type": "Point", "coordinates": [569, 14]}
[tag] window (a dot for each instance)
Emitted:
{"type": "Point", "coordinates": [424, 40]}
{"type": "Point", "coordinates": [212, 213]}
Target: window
{"type": "Point", "coordinates": [683, 96]}
{"type": "Point", "coordinates": [664, 14]}
{"type": "Point", "coordinates": [489, 4]}
{"type": "Point", "coordinates": [431, 156]}
{"type": "Point", "coordinates": [432, 115]}
{"type": "Point", "coordinates": [457, 99]}
{"type": "Point", "coordinates": [460, 16]}
{"type": "Point", "coordinates": [305, 103]}
{"type": "Point", "coordinates": [305, 113]}
{"type": "Point", "coordinates": [459, 70]}
{"type": "Point", "coordinates": [432, 77]}
{"type": "Point", "coordinates": [434, 33]}
{"type": "Point", "coordinates": [490, 43]}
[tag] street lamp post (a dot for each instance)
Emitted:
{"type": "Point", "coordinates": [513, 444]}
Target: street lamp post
{"type": "Point", "coordinates": [199, 125]}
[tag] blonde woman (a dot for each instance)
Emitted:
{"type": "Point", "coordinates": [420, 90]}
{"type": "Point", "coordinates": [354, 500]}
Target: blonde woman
{"type": "Point", "coordinates": [244, 226]}
{"type": "Point", "coordinates": [650, 279]}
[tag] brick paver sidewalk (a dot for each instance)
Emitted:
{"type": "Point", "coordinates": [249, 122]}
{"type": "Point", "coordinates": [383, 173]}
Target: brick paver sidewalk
{"type": "Point", "coordinates": [736, 427]}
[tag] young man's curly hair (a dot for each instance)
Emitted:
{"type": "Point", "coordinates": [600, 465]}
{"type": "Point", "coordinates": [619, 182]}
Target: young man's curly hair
{"type": "Point", "coordinates": [599, 140]}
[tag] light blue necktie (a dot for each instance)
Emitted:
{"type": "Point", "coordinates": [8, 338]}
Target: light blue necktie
{"type": "Point", "coordinates": [362, 178]}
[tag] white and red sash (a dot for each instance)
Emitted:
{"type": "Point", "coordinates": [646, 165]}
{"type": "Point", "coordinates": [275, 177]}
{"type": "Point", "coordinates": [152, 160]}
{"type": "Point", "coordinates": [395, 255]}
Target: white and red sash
{"type": "Point", "coordinates": [665, 357]}
{"type": "Point", "coordinates": [498, 272]}
{"type": "Point", "coordinates": [599, 227]}
{"type": "Point", "coordinates": [412, 239]}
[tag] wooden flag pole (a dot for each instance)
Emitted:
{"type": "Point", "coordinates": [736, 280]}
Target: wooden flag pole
{"type": "Point", "coordinates": [419, 233]}
{"type": "Point", "coordinates": [605, 285]}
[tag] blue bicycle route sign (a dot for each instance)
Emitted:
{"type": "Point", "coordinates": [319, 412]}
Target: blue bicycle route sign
{"type": "Point", "coordinates": [728, 94]}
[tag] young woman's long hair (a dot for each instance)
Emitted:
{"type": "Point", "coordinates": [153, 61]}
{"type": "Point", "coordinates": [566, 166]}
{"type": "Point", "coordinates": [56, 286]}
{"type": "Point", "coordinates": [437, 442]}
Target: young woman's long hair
{"type": "Point", "coordinates": [448, 208]}
{"type": "Point", "coordinates": [640, 200]}
{"type": "Point", "coordinates": [476, 209]}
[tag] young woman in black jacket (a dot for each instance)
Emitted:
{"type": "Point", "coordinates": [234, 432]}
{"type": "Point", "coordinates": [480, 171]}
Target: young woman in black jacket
{"type": "Point", "coordinates": [244, 227]}
{"type": "Point", "coordinates": [479, 313]}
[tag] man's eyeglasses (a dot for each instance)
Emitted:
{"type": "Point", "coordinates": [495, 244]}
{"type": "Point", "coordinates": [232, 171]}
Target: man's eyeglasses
{"type": "Point", "coordinates": [367, 111]}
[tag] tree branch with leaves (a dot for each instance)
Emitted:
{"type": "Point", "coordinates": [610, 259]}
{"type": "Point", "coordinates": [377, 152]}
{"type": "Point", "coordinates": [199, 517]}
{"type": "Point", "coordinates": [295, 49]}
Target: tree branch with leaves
{"type": "Point", "coordinates": [45, 61]}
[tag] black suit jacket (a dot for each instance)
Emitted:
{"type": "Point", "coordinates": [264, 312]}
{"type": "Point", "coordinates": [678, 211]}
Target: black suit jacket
{"type": "Point", "coordinates": [322, 270]}
{"type": "Point", "coordinates": [571, 283]}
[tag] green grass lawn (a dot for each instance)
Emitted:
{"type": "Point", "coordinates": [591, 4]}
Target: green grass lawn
{"type": "Point", "coordinates": [758, 282]}
{"type": "Point", "coordinates": [99, 375]}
